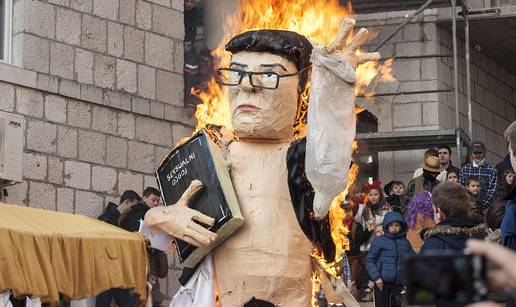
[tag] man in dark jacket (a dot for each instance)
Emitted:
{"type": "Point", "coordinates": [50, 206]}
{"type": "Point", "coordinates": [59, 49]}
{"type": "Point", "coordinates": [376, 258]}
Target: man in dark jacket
{"type": "Point", "coordinates": [504, 165]}
{"type": "Point", "coordinates": [454, 227]}
{"type": "Point", "coordinates": [150, 199]}
{"type": "Point", "coordinates": [113, 215]}
{"type": "Point", "coordinates": [157, 259]}
{"type": "Point", "coordinates": [508, 227]}
{"type": "Point", "coordinates": [385, 260]}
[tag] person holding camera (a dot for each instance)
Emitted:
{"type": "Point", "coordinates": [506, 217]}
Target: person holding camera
{"type": "Point", "coordinates": [508, 226]}
{"type": "Point", "coordinates": [454, 226]}
{"type": "Point", "coordinates": [502, 278]}
{"type": "Point", "coordinates": [385, 261]}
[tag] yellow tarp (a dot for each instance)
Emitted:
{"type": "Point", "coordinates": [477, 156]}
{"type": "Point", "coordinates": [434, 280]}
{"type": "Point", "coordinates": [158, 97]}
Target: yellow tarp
{"type": "Point", "coordinates": [45, 253]}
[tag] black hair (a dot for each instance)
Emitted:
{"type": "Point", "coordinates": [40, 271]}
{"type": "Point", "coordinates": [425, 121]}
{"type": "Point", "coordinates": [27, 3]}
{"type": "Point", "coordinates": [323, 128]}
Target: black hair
{"type": "Point", "coordinates": [291, 45]}
{"type": "Point", "coordinates": [494, 214]}
{"type": "Point", "coordinates": [151, 191]}
{"type": "Point", "coordinates": [472, 179]}
{"type": "Point", "coordinates": [388, 187]}
{"type": "Point", "coordinates": [445, 147]}
{"type": "Point", "coordinates": [254, 302]}
{"type": "Point", "coordinates": [129, 195]}
{"type": "Point", "coordinates": [396, 182]}
{"type": "Point", "coordinates": [451, 171]}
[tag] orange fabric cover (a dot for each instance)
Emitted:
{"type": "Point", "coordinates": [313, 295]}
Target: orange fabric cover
{"type": "Point", "coordinates": [45, 253]}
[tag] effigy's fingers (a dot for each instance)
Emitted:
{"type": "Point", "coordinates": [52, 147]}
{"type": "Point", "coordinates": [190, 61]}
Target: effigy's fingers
{"type": "Point", "coordinates": [203, 231]}
{"type": "Point", "coordinates": [346, 28]}
{"type": "Point", "coordinates": [359, 39]}
{"type": "Point", "coordinates": [366, 57]}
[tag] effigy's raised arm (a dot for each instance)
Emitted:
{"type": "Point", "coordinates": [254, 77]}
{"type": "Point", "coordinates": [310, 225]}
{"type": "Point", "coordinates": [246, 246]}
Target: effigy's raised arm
{"type": "Point", "coordinates": [331, 114]}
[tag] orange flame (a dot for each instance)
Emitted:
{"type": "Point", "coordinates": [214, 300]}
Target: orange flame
{"type": "Point", "coordinates": [318, 20]}
{"type": "Point", "coordinates": [369, 74]}
{"type": "Point", "coordinates": [316, 286]}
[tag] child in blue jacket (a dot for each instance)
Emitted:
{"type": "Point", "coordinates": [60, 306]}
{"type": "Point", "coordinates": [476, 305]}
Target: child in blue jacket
{"type": "Point", "coordinates": [385, 260]}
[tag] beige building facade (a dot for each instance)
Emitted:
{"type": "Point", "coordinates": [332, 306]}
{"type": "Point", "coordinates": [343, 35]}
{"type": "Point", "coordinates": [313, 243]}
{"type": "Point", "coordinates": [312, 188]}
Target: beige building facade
{"type": "Point", "coordinates": [100, 86]}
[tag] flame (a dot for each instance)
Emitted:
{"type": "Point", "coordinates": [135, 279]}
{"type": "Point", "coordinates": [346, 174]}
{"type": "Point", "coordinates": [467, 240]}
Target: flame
{"type": "Point", "coordinates": [214, 108]}
{"type": "Point", "coordinates": [318, 20]}
{"type": "Point", "coordinates": [316, 286]}
{"type": "Point", "coordinates": [369, 74]}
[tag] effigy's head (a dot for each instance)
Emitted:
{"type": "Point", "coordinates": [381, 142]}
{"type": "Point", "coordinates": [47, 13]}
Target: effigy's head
{"type": "Point", "coordinates": [268, 71]}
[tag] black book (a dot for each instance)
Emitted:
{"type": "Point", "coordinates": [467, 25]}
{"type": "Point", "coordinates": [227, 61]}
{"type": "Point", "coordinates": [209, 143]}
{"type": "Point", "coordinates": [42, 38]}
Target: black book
{"type": "Point", "coordinates": [200, 158]}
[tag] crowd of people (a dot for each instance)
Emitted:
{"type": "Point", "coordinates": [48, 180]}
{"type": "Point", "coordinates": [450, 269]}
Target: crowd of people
{"type": "Point", "coordinates": [439, 209]}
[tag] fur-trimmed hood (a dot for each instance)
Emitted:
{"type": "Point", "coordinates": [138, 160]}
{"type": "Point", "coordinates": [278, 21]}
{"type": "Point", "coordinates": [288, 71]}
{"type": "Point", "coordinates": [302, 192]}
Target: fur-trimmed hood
{"type": "Point", "coordinates": [447, 230]}
{"type": "Point", "coordinates": [456, 230]}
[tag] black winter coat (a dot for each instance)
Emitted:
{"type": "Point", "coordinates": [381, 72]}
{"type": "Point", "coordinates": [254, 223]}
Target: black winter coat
{"type": "Point", "coordinates": [357, 236]}
{"type": "Point", "coordinates": [110, 214]}
{"type": "Point", "coordinates": [132, 221]}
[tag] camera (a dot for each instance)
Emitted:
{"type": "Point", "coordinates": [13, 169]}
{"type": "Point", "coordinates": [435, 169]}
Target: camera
{"type": "Point", "coordinates": [441, 277]}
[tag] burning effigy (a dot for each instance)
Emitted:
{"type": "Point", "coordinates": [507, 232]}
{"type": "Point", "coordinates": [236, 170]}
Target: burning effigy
{"type": "Point", "coordinates": [287, 98]}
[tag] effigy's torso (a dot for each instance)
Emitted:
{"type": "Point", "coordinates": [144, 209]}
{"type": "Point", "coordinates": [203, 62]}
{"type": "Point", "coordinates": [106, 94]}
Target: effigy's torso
{"type": "Point", "coordinates": [269, 256]}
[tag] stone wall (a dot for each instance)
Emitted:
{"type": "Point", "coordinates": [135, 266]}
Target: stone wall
{"type": "Point", "coordinates": [405, 112]}
{"type": "Point", "coordinates": [493, 89]}
{"type": "Point", "coordinates": [102, 97]}
{"type": "Point", "coordinates": [493, 95]}
{"type": "Point", "coordinates": [100, 85]}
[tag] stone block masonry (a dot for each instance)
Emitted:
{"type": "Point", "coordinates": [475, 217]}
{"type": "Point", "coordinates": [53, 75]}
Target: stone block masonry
{"type": "Point", "coordinates": [100, 85]}
{"type": "Point", "coordinates": [493, 89]}
{"type": "Point", "coordinates": [75, 149]}
{"type": "Point", "coordinates": [133, 47]}
{"type": "Point", "coordinates": [493, 92]}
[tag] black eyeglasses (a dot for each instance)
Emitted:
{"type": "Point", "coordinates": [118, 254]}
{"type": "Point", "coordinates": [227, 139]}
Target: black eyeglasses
{"type": "Point", "coordinates": [261, 80]}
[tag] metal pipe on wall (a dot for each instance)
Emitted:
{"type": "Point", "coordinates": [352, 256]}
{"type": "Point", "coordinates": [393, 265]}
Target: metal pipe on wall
{"type": "Point", "coordinates": [456, 79]}
{"type": "Point", "coordinates": [465, 14]}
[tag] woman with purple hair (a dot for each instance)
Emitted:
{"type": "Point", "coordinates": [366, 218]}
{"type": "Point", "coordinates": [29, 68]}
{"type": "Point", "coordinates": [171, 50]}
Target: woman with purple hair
{"type": "Point", "coordinates": [419, 215]}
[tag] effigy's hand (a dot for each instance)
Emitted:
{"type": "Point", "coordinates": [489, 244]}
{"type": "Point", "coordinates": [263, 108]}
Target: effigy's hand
{"type": "Point", "coordinates": [180, 221]}
{"type": "Point", "coordinates": [348, 51]}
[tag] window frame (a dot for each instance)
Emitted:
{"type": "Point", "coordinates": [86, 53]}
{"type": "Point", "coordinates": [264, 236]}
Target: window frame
{"type": "Point", "coordinates": [7, 31]}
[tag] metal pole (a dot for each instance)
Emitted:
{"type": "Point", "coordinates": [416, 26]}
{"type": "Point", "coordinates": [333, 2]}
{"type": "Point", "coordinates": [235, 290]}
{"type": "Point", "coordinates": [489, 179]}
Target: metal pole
{"type": "Point", "coordinates": [456, 78]}
{"type": "Point", "coordinates": [405, 93]}
{"type": "Point", "coordinates": [407, 20]}
{"type": "Point", "coordinates": [465, 12]}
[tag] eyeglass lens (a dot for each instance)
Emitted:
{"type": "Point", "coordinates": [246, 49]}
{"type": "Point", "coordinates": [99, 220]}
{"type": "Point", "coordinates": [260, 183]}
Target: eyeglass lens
{"type": "Point", "coordinates": [265, 79]}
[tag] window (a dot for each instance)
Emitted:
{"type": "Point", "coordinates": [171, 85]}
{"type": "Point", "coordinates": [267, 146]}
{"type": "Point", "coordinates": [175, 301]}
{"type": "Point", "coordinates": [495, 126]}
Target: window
{"type": "Point", "coordinates": [5, 30]}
